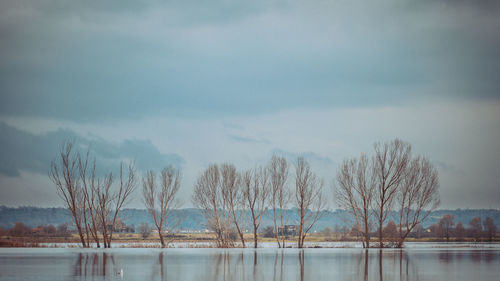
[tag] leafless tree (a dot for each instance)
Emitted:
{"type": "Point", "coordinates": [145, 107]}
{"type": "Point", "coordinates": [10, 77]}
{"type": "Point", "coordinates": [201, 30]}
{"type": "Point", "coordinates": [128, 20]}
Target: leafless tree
{"type": "Point", "coordinates": [308, 198]}
{"type": "Point", "coordinates": [92, 202]}
{"type": "Point", "coordinates": [120, 198]}
{"type": "Point", "coordinates": [160, 199]}
{"type": "Point", "coordinates": [417, 196]}
{"type": "Point", "coordinates": [355, 192]}
{"type": "Point", "coordinates": [208, 197]}
{"type": "Point", "coordinates": [390, 231]}
{"type": "Point", "coordinates": [391, 159]}
{"type": "Point", "coordinates": [446, 224]}
{"type": "Point", "coordinates": [476, 228]}
{"type": "Point", "coordinates": [459, 232]}
{"type": "Point", "coordinates": [280, 195]}
{"type": "Point", "coordinates": [103, 203]}
{"type": "Point", "coordinates": [90, 215]}
{"type": "Point", "coordinates": [144, 230]}
{"type": "Point", "coordinates": [64, 174]}
{"type": "Point", "coordinates": [490, 228]}
{"type": "Point", "coordinates": [255, 193]}
{"type": "Point", "coordinates": [232, 194]}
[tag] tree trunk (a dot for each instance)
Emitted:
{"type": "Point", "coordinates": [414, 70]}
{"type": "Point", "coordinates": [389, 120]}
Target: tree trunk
{"type": "Point", "coordinates": [301, 230]}
{"type": "Point", "coordinates": [240, 233]}
{"type": "Point", "coordinates": [82, 238]}
{"type": "Point", "coordinates": [162, 241]}
{"type": "Point", "coordinates": [380, 236]}
{"type": "Point", "coordinates": [242, 239]}
{"type": "Point", "coordinates": [255, 237]}
{"type": "Point", "coordinates": [402, 238]}
{"type": "Point", "coordinates": [401, 242]}
{"type": "Point", "coordinates": [276, 230]}
{"type": "Point", "coordinates": [367, 238]}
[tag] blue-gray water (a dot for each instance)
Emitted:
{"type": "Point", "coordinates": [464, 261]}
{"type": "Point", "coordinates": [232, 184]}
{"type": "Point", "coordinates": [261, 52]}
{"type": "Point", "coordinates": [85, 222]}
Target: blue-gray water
{"type": "Point", "coordinates": [247, 264]}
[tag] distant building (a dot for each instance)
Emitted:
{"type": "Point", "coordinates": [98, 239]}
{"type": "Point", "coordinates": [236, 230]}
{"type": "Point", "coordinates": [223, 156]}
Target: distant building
{"type": "Point", "coordinates": [289, 230]}
{"type": "Point", "coordinates": [121, 227]}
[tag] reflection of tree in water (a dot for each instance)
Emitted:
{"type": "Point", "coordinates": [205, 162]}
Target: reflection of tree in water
{"type": "Point", "coordinates": [477, 256]}
{"type": "Point", "coordinates": [159, 269]}
{"type": "Point", "coordinates": [89, 265]}
{"type": "Point", "coordinates": [278, 265]}
{"type": "Point", "coordinates": [252, 266]}
{"type": "Point", "coordinates": [348, 264]}
{"type": "Point", "coordinates": [301, 262]}
{"type": "Point", "coordinates": [385, 265]}
{"type": "Point", "coordinates": [483, 255]}
{"type": "Point", "coordinates": [402, 264]}
{"type": "Point", "coordinates": [224, 266]}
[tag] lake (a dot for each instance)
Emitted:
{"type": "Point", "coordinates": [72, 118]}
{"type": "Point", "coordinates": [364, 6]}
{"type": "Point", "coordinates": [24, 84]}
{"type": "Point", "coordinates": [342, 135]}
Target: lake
{"type": "Point", "coordinates": [416, 262]}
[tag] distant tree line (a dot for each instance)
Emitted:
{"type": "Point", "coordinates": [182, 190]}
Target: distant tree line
{"type": "Point", "coordinates": [21, 230]}
{"type": "Point", "coordinates": [475, 229]}
{"type": "Point", "coordinates": [445, 230]}
{"type": "Point", "coordinates": [49, 230]}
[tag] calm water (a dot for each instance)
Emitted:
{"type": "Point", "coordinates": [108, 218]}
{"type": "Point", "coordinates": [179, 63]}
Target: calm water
{"type": "Point", "coordinates": [415, 263]}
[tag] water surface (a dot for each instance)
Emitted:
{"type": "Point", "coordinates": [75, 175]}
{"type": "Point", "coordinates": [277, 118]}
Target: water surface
{"type": "Point", "coordinates": [413, 263]}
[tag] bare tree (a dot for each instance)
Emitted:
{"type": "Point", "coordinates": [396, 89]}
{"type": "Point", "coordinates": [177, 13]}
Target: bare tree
{"type": "Point", "coordinates": [232, 194]}
{"type": "Point", "coordinates": [417, 196]}
{"type": "Point", "coordinates": [280, 196]}
{"type": "Point", "coordinates": [446, 225]}
{"type": "Point", "coordinates": [92, 202]}
{"type": "Point", "coordinates": [255, 193]}
{"type": "Point", "coordinates": [103, 203]}
{"type": "Point", "coordinates": [208, 197]}
{"type": "Point", "coordinates": [90, 215]}
{"type": "Point", "coordinates": [64, 174]}
{"type": "Point", "coordinates": [459, 232]}
{"type": "Point", "coordinates": [391, 159]}
{"type": "Point", "coordinates": [476, 228]}
{"type": "Point", "coordinates": [160, 199]}
{"type": "Point", "coordinates": [355, 192]}
{"type": "Point", "coordinates": [120, 198]}
{"type": "Point", "coordinates": [145, 230]}
{"type": "Point", "coordinates": [490, 228]}
{"type": "Point", "coordinates": [390, 231]}
{"type": "Point", "coordinates": [308, 198]}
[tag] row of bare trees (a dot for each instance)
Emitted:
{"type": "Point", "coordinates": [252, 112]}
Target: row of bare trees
{"type": "Point", "coordinates": [94, 202]}
{"type": "Point", "coordinates": [225, 195]}
{"type": "Point", "coordinates": [370, 187]}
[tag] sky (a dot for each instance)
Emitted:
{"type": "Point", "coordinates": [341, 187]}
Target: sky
{"type": "Point", "coordinates": [189, 83]}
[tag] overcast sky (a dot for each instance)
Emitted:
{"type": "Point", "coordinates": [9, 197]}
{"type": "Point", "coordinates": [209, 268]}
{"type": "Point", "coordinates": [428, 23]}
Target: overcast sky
{"type": "Point", "coordinates": [190, 83]}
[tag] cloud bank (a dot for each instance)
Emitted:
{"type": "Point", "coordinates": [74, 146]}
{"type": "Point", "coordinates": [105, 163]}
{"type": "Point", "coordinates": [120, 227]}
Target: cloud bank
{"type": "Point", "coordinates": [196, 82]}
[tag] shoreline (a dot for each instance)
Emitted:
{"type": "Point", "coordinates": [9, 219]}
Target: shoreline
{"type": "Point", "coordinates": [263, 245]}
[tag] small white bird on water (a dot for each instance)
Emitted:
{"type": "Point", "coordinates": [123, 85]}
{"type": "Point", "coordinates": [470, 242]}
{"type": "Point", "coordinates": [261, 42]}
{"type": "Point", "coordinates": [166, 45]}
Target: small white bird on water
{"type": "Point", "coordinates": [120, 272]}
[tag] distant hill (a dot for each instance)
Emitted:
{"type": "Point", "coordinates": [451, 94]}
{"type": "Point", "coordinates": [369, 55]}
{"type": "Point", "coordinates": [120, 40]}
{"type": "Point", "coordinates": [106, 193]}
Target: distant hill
{"type": "Point", "coordinates": [193, 219]}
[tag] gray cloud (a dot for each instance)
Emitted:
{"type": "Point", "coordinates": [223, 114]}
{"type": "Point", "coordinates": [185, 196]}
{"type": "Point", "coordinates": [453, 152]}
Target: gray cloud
{"type": "Point", "coordinates": [88, 60]}
{"type": "Point", "coordinates": [248, 139]}
{"type": "Point", "coordinates": [449, 168]}
{"type": "Point", "coordinates": [310, 156]}
{"type": "Point", "coordinates": [21, 150]}
{"type": "Point", "coordinates": [230, 80]}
